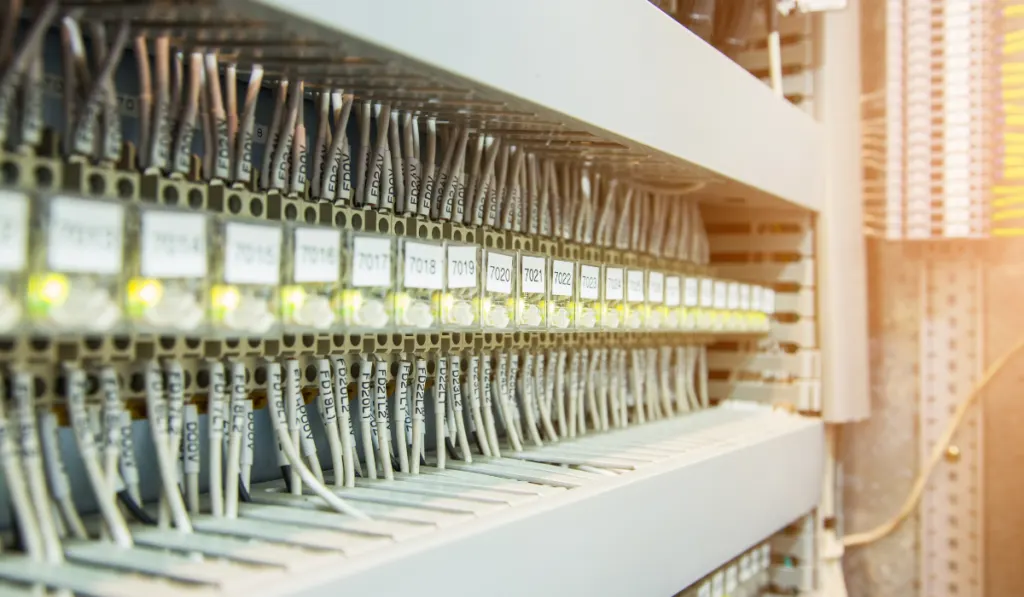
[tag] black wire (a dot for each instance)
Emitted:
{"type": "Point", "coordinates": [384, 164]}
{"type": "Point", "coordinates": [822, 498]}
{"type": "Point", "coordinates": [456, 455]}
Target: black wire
{"type": "Point", "coordinates": [137, 512]}
{"type": "Point", "coordinates": [243, 493]}
{"type": "Point", "coordinates": [19, 543]}
{"type": "Point", "coordinates": [286, 472]}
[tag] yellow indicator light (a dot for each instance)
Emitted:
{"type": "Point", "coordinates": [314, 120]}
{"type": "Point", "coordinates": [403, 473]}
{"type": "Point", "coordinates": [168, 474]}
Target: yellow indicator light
{"type": "Point", "coordinates": [48, 290]}
{"type": "Point", "coordinates": [145, 292]}
{"type": "Point", "coordinates": [352, 299]}
{"type": "Point", "coordinates": [293, 297]}
{"type": "Point", "coordinates": [225, 298]}
{"type": "Point", "coordinates": [402, 301]}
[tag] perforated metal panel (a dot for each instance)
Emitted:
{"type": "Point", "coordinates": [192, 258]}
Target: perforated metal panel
{"type": "Point", "coordinates": [951, 357]}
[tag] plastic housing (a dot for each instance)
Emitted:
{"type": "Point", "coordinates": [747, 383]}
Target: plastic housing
{"type": "Point", "coordinates": [421, 284]}
{"type": "Point", "coordinates": [311, 294]}
{"type": "Point", "coordinates": [245, 297]}
{"type": "Point", "coordinates": [460, 307]}
{"type": "Point", "coordinates": [77, 279]}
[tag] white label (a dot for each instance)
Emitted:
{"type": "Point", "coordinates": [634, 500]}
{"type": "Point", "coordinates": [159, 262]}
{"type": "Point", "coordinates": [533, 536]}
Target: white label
{"type": "Point", "coordinates": [371, 261]}
{"type": "Point", "coordinates": [704, 590]}
{"type": "Point", "coordinates": [707, 292]}
{"type": "Point", "coordinates": [499, 273]}
{"type": "Point", "coordinates": [533, 274]}
{"type": "Point", "coordinates": [766, 555]}
{"type": "Point", "coordinates": [755, 298]}
{"type": "Point", "coordinates": [733, 296]}
{"type": "Point", "coordinates": [252, 254]}
{"type": "Point", "coordinates": [744, 297]}
{"type": "Point", "coordinates": [613, 278]}
{"type": "Point", "coordinates": [190, 447]}
{"type": "Point", "coordinates": [721, 294]}
{"type": "Point", "coordinates": [590, 276]}
{"type": "Point", "coordinates": [172, 244]}
{"type": "Point", "coordinates": [424, 266]}
{"type": "Point", "coordinates": [744, 567]}
{"type": "Point", "coordinates": [635, 286]}
{"type": "Point", "coordinates": [85, 236]}
{"type": "Point", "coordinates": [731, 579]}
{"type": "Point", "coordinates": [768, 301]}
{"type": "Point", "coordinates": [561, 278]}
{"type": "Point", "coordinates": [317, 255]}
{"type": "Point", "coordinates": [673, 291]}
{"type": "Point", "coordinates": [691, 292]}
{"type": "Point", "coordinates": [656, 288]}
{"type": "Point", "coordinates": [13, 231]}
{"type": "Point", "coordinates": [462, 267]}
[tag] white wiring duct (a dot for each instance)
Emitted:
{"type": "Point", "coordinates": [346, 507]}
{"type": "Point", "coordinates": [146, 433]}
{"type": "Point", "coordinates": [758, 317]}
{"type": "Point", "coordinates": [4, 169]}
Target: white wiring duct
{"type": "Point", "coordinates": [279, 422]}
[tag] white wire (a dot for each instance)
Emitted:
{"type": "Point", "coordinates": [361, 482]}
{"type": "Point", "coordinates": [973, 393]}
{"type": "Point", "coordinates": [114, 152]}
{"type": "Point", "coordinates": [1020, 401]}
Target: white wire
{"type": "Point", "coordinates": [237, 413]}
{"type": "Point", "coordinates": [349, 458]}
{"type": "Point", "coordinates": [215, 432]}
{"type": "Point", "coordinates": [28, 524]}
{"type": "Point", "coordinates": [279, 422]}
{"type": "Point", "coordinates": [156, 406]}
{"type": "Point", "coordinates": [75, 382]}
{"type": "Point", "coordinates": [329, 416]}
{"type": "Point", "coordinates": [21, 385]}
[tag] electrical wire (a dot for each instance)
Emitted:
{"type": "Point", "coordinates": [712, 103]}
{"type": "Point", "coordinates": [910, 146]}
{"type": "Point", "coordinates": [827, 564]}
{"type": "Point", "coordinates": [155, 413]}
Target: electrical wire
{"type": "Point", "coordinates": [936, 454]}
{"type": "Point", "coordinates": [279, 423]}
{"type": "Point", "coordinates": [75, 390]}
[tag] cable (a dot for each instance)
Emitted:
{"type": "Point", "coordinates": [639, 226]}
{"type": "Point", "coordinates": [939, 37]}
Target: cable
{"type": "Point", "coordinates": [279, 423]}
{"type": "Point", "coordinates": [215, 431]}
{"type": "Point", "coordinates": [910, 504]}
{"type": "Point", "coordinates": [75, 390]}
{"type": "Point", "coordinates": [156, 408]}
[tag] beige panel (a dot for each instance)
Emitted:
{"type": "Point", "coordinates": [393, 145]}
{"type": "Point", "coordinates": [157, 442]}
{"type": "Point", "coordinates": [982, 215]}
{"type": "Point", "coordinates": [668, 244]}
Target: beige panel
{"type": "Point", "coordinates": [801, 272]}
{"type": "Point", "coordinates": [800, 243]}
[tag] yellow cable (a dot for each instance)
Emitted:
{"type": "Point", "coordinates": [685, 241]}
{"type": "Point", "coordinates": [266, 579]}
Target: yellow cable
{"type": "Point", "coordinates": [935, 457]}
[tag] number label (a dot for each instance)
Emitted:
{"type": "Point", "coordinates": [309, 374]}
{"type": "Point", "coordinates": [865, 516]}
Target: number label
{"type": "Point", "coordinates": [744, 297]}
{"type": "Point", "coordinates": [462, 267]}
{"type": "Point", "coordinates": [172, 244]}
{"type": "Point", "coordinates": [721, 294]}
{"type": "Point", "coordinates": [707, 292]}
{"type": "Point", "coordinates": [13, 231]}
{"type": "Point", "coordinates": [252, 254]}
{"type": "Point", "coordinates": [317, 255]}
{"type": "Point", "coordinates": [590, 276]}
{"type": "Point", "coordinates": [656, 288]}
{"type": "Point", "coordinates": [733, 296]}
{"type": "Point", "coordinates": [533, 269]}
{"type": "Point", "coordinates": [499, 272]}
{"type": "Point", "coordinates": [691, 292]}
{"type": "Point", "coordinates": [371, 261]}
{"type": "Point", "coordinates": [85, 236]}
{"type": "Point", "coordinates": [423, 266]}
{"type": "Point", "coordinates": [673, 291]}
{"type": "Point", "coordinates": [613, 284]}
{"type": "Point", "coordinates": [561, 278]}
{"type": "Point", "coordinates": [635, 282]}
